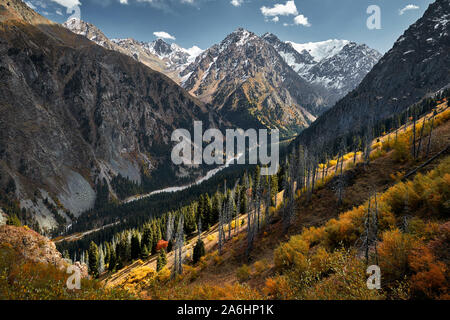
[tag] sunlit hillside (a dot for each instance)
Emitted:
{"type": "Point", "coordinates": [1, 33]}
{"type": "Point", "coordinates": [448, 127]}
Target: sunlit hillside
{"type": "Point", "coordinates": [326, 250]}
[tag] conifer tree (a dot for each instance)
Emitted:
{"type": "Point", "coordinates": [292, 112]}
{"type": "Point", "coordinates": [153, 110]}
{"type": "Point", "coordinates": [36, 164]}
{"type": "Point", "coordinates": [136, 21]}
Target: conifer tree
{"type": "Point", "coordinates": [147, 240]}
{"type": "Point", "coordinates": [135, 246]}
{"type": "Point", "coordinates": [162, 260]}
{"type": "Point", "coordinates": [429, 137]}
{"type": "Point", "coordinates": [199, 251]}
{"type": "Point", "coordinates": [93, 259]}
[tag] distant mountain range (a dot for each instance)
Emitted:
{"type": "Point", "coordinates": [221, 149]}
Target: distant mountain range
{"type": "Point", "coordinates": [249, 82]}
{"type": "Point", "coordinates": [158, 55]}
{"type": "Point", "coordinates": [336, 65]}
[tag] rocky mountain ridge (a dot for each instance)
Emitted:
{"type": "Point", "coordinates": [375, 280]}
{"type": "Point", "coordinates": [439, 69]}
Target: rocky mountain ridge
{"type": "Point", "coordinates": [158, 55]}
{"type": "Point", "coordinates": [417, 66]}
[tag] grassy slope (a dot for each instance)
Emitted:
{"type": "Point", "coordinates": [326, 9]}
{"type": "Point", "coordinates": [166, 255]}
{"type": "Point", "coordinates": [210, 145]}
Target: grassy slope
{"type": "Point", "coordinates": [223, 276]}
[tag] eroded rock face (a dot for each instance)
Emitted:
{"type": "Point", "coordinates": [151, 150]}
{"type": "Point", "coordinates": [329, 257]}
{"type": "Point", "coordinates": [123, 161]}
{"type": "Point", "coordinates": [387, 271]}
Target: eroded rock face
{"type": "Point", "coordinates": [31, 245]}
{"type": "Point", "coordinates": [74, 113]}
{"type": "Point", "coordinates": [34, 247]}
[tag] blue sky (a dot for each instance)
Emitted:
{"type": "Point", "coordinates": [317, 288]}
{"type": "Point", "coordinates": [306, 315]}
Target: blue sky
{"type": "Point", "coordinates": [206, 22]}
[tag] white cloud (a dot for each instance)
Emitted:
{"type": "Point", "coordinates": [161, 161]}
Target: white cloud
{"type": "Point", "coordinates": [68, 3]}
{"type": "Point", "coordinates": [301, 20]}
{"type": "Point", "coordinates": [276, 19]}
{"type": "Point", "coordinates": [237, 3]}
{"type": "Point", "coordinates": [280, 9]}
{"type": "Point", "coordinates": [408, 8]}
{"type": "Point", "coordinates": [123, 1]}
{"type": "Point", "coordinates": [163, 35]}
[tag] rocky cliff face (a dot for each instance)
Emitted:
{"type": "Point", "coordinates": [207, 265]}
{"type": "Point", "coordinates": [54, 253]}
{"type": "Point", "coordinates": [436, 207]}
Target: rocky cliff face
{"type": "Point", "coordinates": [418, 64]}
{"type": "Point", "coordinates": [74, 113]}
{"type": "Point", "coordinates": [249, 83]}
{"type": "Point", "coordinates": [336, 65]}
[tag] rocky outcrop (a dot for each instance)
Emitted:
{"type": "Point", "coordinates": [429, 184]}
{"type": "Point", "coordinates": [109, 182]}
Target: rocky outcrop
{"type": "Point", "coordinates": [36, 248]}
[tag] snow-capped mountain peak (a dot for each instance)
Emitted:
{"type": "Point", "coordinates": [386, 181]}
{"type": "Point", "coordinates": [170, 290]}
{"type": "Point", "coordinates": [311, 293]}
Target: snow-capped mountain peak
{"type": "Point", "coordinates": [169, 59]}
{"type": "Point", "coordinates": [320, 50]}
{"type": "Point", "coordinates": [337, 65]}
{"type": "Point", "coordinates": [176, 57]}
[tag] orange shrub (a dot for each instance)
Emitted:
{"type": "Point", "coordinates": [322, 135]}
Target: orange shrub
{"type": "Point", "coordinates": [278, 288]}
{"type": "Point", "coordinates": [393, 253]}
{"type": "Point", "coordinates": [347, 229]}
{"type": "Point", "coordinates": [243, 273]}
{"type": "Point", "coordinates": [402, 148]}
{"type": "Point", "coordinates": [429, 280]}
{"type": "Point", "coordinates": [290, 253]}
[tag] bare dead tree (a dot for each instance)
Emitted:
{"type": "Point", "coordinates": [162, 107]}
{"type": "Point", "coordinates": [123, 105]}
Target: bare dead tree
{"type": "Point", "coordinates": [368, 146]}
{"type": "Point", "coordinates": [337, 163]}
{"type": "Point", "coordinates": [420, 138]}
{"type": "Point", "coordinates": [250, 231]}
{"type": "Point", "coordinates": [367, 237]}
{"type": "Point", "coordinates": [323, 168]}
{"type": "Point", "coordinates": [238, 208]}
{"type": "Point", "coordinates": [179, 242]}
{"type": "Point", "coordinates": [429, 137]}
{"type": "Point", "coordinates": [357, 145]}
{"type": "Point", "coordinates": [257, 202]}
{"type": "Point", "coordinates": [397, 128]}
{"type": "Point", "coordinates": [268, 201]}
{"type": "Point", "coordinates": [300, 168]}
{"type": "Point", "coordinates": [169, 228]}
{"type": "Point", "coordinates": [375, 228]}
{"type": "Point", "coordinates": [414, 135]}
{"type": "Point", "coordinates": [289, 195]}
{"type": "Point", "coordinates": [314, 174]}
{"type": "Point", "coordinates": [221, 223]}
